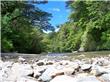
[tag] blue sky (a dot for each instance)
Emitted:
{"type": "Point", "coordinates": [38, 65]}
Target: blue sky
{"type": "Point", "coordinates": [58, 10]}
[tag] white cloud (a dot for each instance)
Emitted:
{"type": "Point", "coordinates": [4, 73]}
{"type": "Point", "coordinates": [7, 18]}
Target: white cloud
{"type": "Point", "coordinates": [57, 29]}
{"type": "Point", "coordinates": [56, 9]}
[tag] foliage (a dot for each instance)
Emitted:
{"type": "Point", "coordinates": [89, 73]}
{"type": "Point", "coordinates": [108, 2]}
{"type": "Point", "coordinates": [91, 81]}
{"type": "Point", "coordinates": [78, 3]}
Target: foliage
{"type": "Point", "coordinates": [19, 32]}
{"type": "Point", "coordinates": [23, 23]}
{"type": "Point", "coordinates": [93, 17]}
{"type": "Point", "coordinates": [88, 28]}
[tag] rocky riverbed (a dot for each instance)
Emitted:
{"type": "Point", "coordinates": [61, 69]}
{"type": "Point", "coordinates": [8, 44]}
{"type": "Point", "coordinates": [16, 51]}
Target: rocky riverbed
{"type": "Point", "coordinates": [95, 69]}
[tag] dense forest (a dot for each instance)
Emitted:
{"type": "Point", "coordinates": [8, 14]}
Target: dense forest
{"type": "Point", "coordinates": [22, 25]}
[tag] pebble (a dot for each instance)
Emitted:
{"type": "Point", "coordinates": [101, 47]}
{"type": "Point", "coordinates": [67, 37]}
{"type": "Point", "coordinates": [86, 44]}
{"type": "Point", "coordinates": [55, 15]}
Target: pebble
{"type": "Point", "coordinates": [56, 71]}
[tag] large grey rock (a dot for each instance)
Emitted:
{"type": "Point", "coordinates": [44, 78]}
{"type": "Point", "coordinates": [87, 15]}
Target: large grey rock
{"type": "Point", "coordinates": [6, 75]}
{"type": "Point", "coordinates": [21, 59]}
{"type": "Point", "coordinates": [81, 75]}
{"type": "Point", "coordinates": [64, 62]}
{"type": "Point", "coordinates": [74, 64]}
{"type": "Point", "coordinates": [105, 77]}
{"type": "Point", "coordinates": [69, 71]}
{"type": "Point", "coordinates": [88, 79]}
{"type": "Point", "coordinates": [17, 70]}
{"type": "Point", "coordinates": [50, 62]}
{"type": "Point", "coordinates": [40, 63]}
{"type": "Point", "coordinates": [98, 70]}
{"type": "Point", "coordinates": [86, 67]}
{"type": "Point", "coordinates": [38, 70]}
{"type": "Point", "coordinates": [7, 64]}
{"type": "Point", "coordinates": [103, 61]}
{"type": "Point", "coordinates": [64, 78]}
{"type": "Point", "coordinates": [26, 79]}
{"type": "Point", "coordinates": [22, 69]}
{"type": "Point", "coordinates": [46, 76]}
{"type": "Point", "coordinates": [63, 70]}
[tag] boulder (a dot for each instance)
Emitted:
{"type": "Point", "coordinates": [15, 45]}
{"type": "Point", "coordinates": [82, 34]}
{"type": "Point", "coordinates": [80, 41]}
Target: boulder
{"type": "Point", "coordinates": [63, 78]}
{"type": "Point", "coordinates": [98, 70]}
{"type": "Point", "coordinates": [63, 71]}
{"type": "Point", "coordinates": [69, 71]}
{"type": "Point", "coordinates": [64, 62]}
{"type": "Point", "coordinates": [86, 67]}
{"type": "Point", "coordinates": [57, 73]}
{"type": "Point", "coordinates": [103, 61]}
{"type": "Point", "coordinates": [7, 64]}
{"type": "Point", "coordinates": [26, 79]}
{"type": "Point", "coordinates": [6, 75]}
{"type": "Point", "coordinates": [46, 76]}
{"type": "Point", "coordinates": [105, 77]}
{"type": "Point", "coordinates": [36, 74]}
{"type": "Point", "coordinates": [87, 79]}
{"type": "Point", "coordinates": [74, 64]}
{"type": "Point", "coordinates": [38, 70]}
{"type": "Point", "coordinates": [80, 75]}
{"type": "Point", "coordinates": [40, 63]}
{"type": "Point", "coordinates": [21, 59]}
{"type": "Point", "coordinates": [50, 62]}
{"type": "Point", "coordinates": [22, 69]}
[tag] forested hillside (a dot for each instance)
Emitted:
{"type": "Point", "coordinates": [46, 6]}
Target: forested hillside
{"type": "Point", "coordinates": [88, 27]}
{"type": "Point", "coordinates": [22, 25]}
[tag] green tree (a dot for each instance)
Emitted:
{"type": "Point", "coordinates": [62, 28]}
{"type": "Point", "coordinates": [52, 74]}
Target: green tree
{"type": "Point", "coordinates": [21, 27]}
{"type": "Point", "coordinates": [92, 18]}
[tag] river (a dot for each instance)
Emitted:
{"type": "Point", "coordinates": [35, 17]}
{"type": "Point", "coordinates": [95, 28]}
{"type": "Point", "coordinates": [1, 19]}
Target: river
{"type": "Point", "coordinates": [56, 56]}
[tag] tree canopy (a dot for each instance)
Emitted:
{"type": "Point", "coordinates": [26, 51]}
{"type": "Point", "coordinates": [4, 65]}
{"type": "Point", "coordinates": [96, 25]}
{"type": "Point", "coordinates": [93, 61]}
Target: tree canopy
{"type": "Point", "coordinates": [88, 28]}
{"type": "Point", "coordinates": [22, 25]}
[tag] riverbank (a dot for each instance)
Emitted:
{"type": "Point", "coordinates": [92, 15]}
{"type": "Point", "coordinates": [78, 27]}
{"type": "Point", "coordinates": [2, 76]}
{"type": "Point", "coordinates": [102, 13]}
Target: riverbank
{"type": "Point", "coordinates": [78, 68]}
{"type": "Point", "coordinates": [51, 56]}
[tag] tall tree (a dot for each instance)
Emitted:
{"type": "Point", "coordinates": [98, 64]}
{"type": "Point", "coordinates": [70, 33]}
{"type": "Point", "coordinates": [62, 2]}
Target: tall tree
{"type": "Point", "coordinates": [92, 17]}
{"type": "Point", "coordinates": [21, 26]}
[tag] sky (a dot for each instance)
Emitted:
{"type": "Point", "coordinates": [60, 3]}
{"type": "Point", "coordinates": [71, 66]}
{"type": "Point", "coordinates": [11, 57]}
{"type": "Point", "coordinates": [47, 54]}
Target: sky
{"type": "Point", "coordinates": [58, 10]}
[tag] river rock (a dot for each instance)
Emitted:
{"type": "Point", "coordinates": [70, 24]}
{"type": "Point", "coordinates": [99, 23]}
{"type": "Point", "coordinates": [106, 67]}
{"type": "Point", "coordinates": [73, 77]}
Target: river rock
{"type": "Point", "coordinates": [105, 77]}
{"type": "Point", "coordinates": [64, 62]}
{"type": "Point", "coordinates": [86, 67]}
{"type": "Point", "coordinates": [26, 79]}
{"type": "Point", "coordinates": [7, 64]}
{"type": "Point", "coordinates": [98, 70]}
{"type": "Point", "coordinates": [40, 63]}
{"type": "Point", "coordinates": [63, 78]}
{"type": "Point", "coordinates": [64, 70]}
{"type": "Point", "coordinates": [36, 74]}
{"type": "Point", "coordinates": [50, 62]}
{"type": "Point", "coordinates": [69, 71]}
{"type": "Point", "coordinates": [46, 76]}
{"type": "Point", "coordinates": [80, 75]}
{"type": "Point", "coordinates": [103, 61]}
{"type": "Point", "coordinates": [88, 79]}
{"type": "Point", "coordinates": [22, 69]}
{"type": "Point", "coordinates": [6, 75]}
{"type": "Point", "coordinates": [57, 73]}
{"type": "Point", "coordinates": [38, 70]}
{"type": "Point", "coordinates": [21, 59]}
{"type": "Point", "coordinates": [1, 65]}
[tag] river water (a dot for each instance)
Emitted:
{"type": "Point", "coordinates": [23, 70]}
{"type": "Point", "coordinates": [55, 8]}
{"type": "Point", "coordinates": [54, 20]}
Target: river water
{"type": "Point", "coordinates": [55, 56]}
